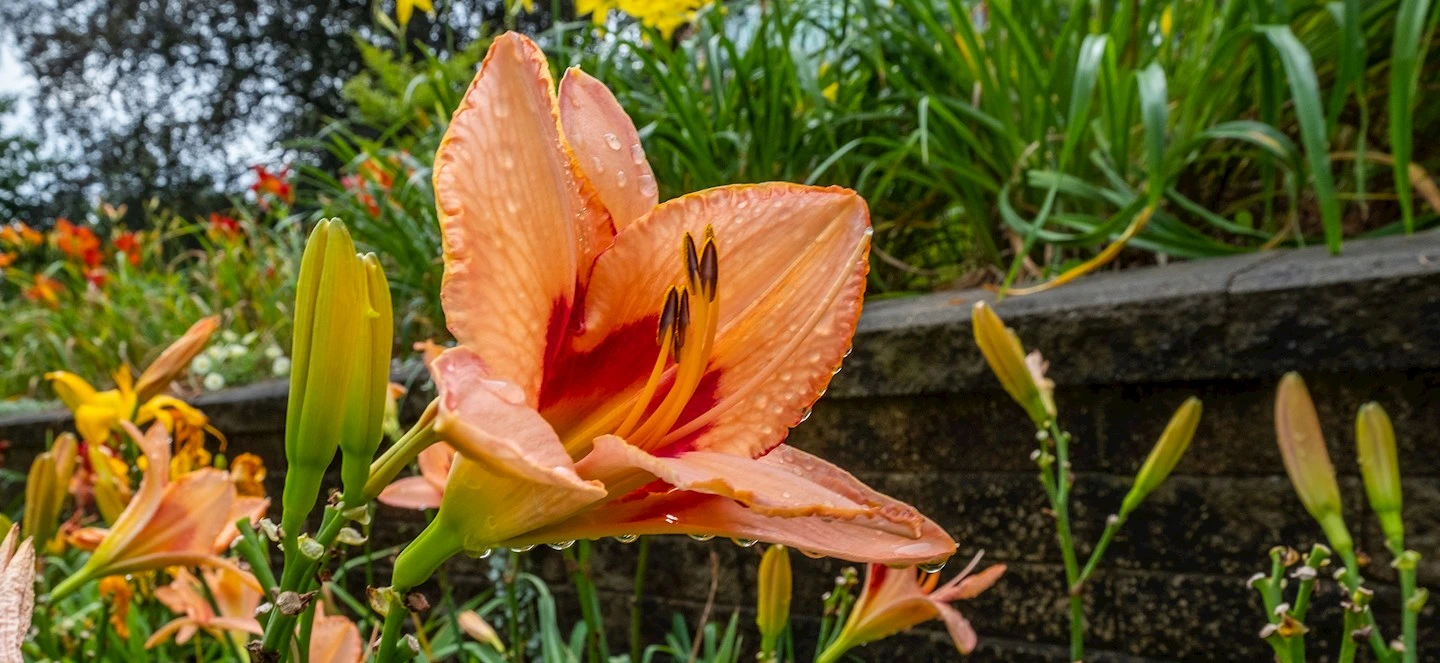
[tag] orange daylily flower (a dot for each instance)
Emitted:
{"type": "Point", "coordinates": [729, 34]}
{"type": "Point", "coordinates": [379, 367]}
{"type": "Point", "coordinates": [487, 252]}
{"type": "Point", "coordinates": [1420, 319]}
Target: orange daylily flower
{"type": "Point", "coordinates": [248, 472]}
{"type": "Point", "coordinates": [895, 600]}
{"type": "Point", "coordinates": [272, 185]}
{"type": "Point", "coordinates": [236, 593]}
{"type": "Point", "coordinates": [44, 290]}
{"type": "Point", "coordinates": [184, 522]}
{"type": "Point", "coordinates": [426, 490]}
{"type": "Point", "coordinates": [20, 235]}
{"type": "Point", "coordinates": [116, 590]}
{"type": "Point", "coordinates": [334, 639]}
{"type": "Point", "coordinates": [128, 244]}
{"type": "Point", "coordinates": [7, 258]}
{"type": "Point", "coordinates": [573, 417]}
{"type": "Point", "coordinates": [77, 242]}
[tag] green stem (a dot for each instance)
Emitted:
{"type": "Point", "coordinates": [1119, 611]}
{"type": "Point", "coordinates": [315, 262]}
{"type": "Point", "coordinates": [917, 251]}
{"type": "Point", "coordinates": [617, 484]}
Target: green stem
{"type": "Point", "coordinates": [224, 637]}
{"type": "Point", "coordinates": [1061, 492]}
{"type": "Point", "coordinates": [390, 632]}
{"type": "Point", "coordinates": [1111, 527]}
{"type": "Point", "coordinates": [1352, 583]}
{"type": "Point", "coordinates": [1410, 611]}
{"type": "Point", "coordinates": [636, 610]}
{"type": "Point", "coordinates": [297, 577]}
{"type": "Point", "coordinates": [589, 598]}
{"type": "Point", "coordinates": [1318, 555]}
{"type": "Point", "coordinates": [396, 458]}
{"type": "Point", "coordinates": [253, 552]}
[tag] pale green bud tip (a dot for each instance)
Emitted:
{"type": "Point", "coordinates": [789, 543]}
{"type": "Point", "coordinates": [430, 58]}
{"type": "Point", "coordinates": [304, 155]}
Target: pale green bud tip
{"type": "Point", "coordinates": [1173, 443]}
{"type": "Point", "coordinates": [1379, 465]}
{"type": "Point", "coordinates": [1302, 447]}
{"type": "Point", "coordinates": [1023, 380]}
{"type": "Point", "coordinates": [773, 598]}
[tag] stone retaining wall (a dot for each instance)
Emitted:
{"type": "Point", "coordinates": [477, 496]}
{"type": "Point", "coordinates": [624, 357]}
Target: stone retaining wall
{"type": "Point", "coordinates": [916, 413]}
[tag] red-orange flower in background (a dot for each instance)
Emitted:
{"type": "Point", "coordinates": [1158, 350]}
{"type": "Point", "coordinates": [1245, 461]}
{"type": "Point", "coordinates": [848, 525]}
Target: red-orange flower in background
{"type": "Point", "coordinates": [626, 368]}
{"type": "Point", "coordinates": [127, 244]}
{"type": "Point", "coordinates": [270, 186]}
{"type": "Point", "coordinates": [7, 258]}
{"type": "Point", "coordinates": [356, 185]}
{"type": "Point", "coordinates": [223, 226]}
{"type": "Point", "coordinates": [45, 290]}
{"type": "Point", "coordinates": [79, 243]}
{"type": "Point", "coordinates": [97, 276]}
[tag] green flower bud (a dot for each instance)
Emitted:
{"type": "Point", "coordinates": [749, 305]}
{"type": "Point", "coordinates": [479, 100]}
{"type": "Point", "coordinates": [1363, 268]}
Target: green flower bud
{"type": "Point", "coordinates": [772, 608]}
{"type": "Point", "coordinates": [1302, 446]}
{"type": "Point", "coordinates": [1375, 446]}
{"type": "Point", "coordinates": [331, 363]}
{"type": "Point", "coordinates": [1166, 453]}
{"type": "Point", "coordinates": [365, 423]}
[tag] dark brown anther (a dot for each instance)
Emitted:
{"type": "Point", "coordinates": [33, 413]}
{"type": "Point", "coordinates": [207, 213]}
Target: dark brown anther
{"type": "Point", "coordinates": [416, 602]}
{"type": "Point", "coordinates": [667, 315]}
{"type": "Point", "coordinates": [709, 270]}
{"type": "Point", "coordinates": [682, 323]}
{"type": "Point", "coordinates": [692, 262]}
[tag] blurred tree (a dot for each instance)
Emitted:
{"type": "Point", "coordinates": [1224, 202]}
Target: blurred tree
{"type": "Point", "coordinates": [175, 98]}
{"type": "Point", "coordinates": [24, 173]}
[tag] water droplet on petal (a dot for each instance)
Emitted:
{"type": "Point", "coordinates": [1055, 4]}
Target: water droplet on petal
{"type": "Point", "coordinates": [620, 178]}
{"type": "Point", "coordinates": [599, 167]}
{"type": "Point", "coordinates": [811, 554]}
{"type": "Point", "coordinates": [523, 549]}
{"type": "Point", "coordinates": [507, 161]}
{"type": "Point", "coordinates": [626, 538]}
{"type": "Point", "coordinates": [702, 537]}
{"type": "Point", "coordinates": [613, 141]}
{"type": "Point", "coordinates": [647, 185]}
{"type": "Point", "coordinates": [637, 154]}
{"type": "Point", "coordinates": [561, 545]}
{"type": "Point", "coordinates": [512, 206]}
{"type": "Point", "coordinates": [744, 543]}
{"type": "Point", "coordinates": [499, 110]}
{"type": "Point", "coordinates": [933, 567]}
{"type": "Point", "coordinates": [481, 555]}
{"type": "Point", "coordinates": [671, 518]}
{"type": "Point", "coordinates": [804, 415]}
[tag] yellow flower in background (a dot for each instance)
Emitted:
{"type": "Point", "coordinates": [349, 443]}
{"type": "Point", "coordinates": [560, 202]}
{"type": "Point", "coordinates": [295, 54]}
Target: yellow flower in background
{"type": "Point", "coordinates": [1167, 21]}
{"type": "Point", "coordinates": [187, 425]}
{"type": "Point", "coordinates": [97, 413]}
{"type": "Point", "coordinates": [109, 482]}
{"type": "Point", "coordinates": [663, 15]}
{"type": "Point", "coordinates": [404, 9]}
{"type": "Point", "coordinates": [598, 10]}
{"type": "Point", "coordinates": [248, 473]}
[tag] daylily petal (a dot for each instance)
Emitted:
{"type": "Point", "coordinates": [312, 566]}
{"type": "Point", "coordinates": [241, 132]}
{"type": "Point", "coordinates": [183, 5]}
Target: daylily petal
{"type": "Point", "coordinates": [411, 493]}
{"type": "Point", "coordinates": [519, 224]}
{"type": "Point", "coordinates": [155, 445]}
{"type": "Point", "coordinates": [969, 586]}
{"type": "Point", "coordinates": [607, 147]}
{"type": "Point", "coordinates": [174, 360]}
{"type": "Point", "coordinates": [792, 266]}
{"type": "Point", "coordinates": [72, 389]}
{"type": "Point", "coordinates": [249, 508]}
{"type": "Point", "coordinates": [489, 422]}
{"type": "Point", "coordinates": [334, 639]}
{"type": "Point", "coordinates": [961, 632]}
{"type": "Point", "coordinates": [787, 483]}
{"type": "Point", "coordinates": [682, 512]}
{"type": "Point", "coordinates": [435, 463]}
{"type": "Point", "coordinates": [189, 516]}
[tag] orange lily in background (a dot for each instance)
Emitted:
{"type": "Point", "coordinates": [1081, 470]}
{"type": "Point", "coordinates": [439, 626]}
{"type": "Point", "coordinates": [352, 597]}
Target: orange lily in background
{"type": "Point", "coordinates": [896, 600]}
{"type": "Point", "coordinates": [236, 595]}
{"type": "Point", "coordinates": [20, 235]}
{"type": "Point", "coordinates": [45, 290]}
{"type": "Point", "coordinates": [424, 491]}
{"type": "Point", "coordinates": [7, 258]}
{"type": "Point", "coordinates": [97, 413]}
{"type": "Point", "coordinates": [269, 185]}
{"type": "Point", "coordinates": [128, 244]}
{"type": "Point", "coordinates": [334, 639]}
{"type": "Point", "coordinates": [630, 368]}
{"type": "Point", "coordinates": [17, 593]}
{"type": "Point", "coordinates": [185, 522]}
{"type": "Point", "coordinates": [77, 242]}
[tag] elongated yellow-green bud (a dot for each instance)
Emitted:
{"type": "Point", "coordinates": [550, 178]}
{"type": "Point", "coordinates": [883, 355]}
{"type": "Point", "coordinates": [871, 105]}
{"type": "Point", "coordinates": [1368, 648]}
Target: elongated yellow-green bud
{"type": "Point", "coordinates": [772, 607]}
{"type": "Point", "coordinates": [46, 486]}
{"type": "Point", "coordinates": [1021, 377]}
{"type": "Point", "coordinates": [330, 364]}
{"type": "Point", "coordinates": [365, 422]}
{"type": "Point", "coordinates": [1379, 465]}
{"type": "Point", "coordinates": [1302, 446]}
{"type": "Point", "coordinates": [1166, 453]}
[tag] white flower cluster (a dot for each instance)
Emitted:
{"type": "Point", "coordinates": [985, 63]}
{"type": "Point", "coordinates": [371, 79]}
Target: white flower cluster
{"type": "Point", "coordinates": [235, 356]}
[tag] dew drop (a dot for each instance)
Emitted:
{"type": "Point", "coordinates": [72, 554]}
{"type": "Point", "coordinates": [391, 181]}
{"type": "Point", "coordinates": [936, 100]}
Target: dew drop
{"type": "Point", "coordinates": [499, 110]}
{"type": "Point", "coordinates": [481, 555]}
{"type": "Point", "coordinates": [637, 154]}
{"type": "Point", "coordinates": [804, 415]}
{"type": "Point", "coordinates": [933, 567]}
{"type": "Point", "coordinates": [613, 141]}
{"type": "Point", "coordinates": [626, 538]}
{"type": "Point", "coordinates": [744, 543]}
{"type": "Point", "coordinates": [512, 206]}
{"type": "Point", "coordinates": [523, 549]}
{"type": "Point", "coordinates": [599, 167]}
{"type": "Point", "coordinates": [561, 545]}
{"type": "Point", "coordinates": [812, 554]}
{"type": "Point", "coordinates": [647, 185]}
{"type": "Point", "coordinates": [620, 178]}
{"type": "Point", "coordinates": [507, 161]}
{"type": "Point", "coordinates": [702, 537]}
{"type": "Point", "coordinates": [671, 518]}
